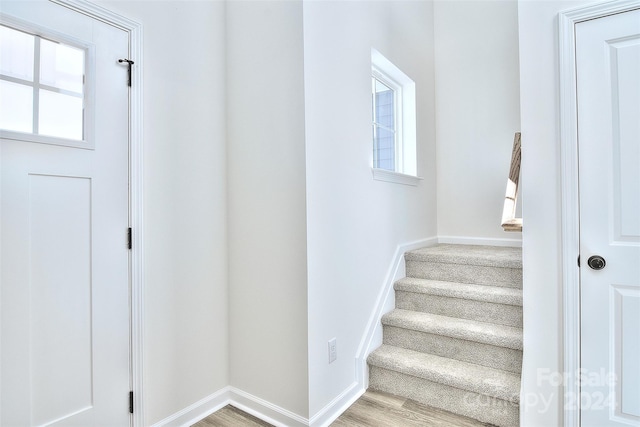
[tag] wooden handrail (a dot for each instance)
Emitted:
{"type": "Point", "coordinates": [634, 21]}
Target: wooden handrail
{"type": "Point", "coordinates": [509, 220]}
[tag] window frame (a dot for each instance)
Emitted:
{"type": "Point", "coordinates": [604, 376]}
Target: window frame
{"type": "Point", "coordinates": [405, 145]}
{"type": "Point", "coordinates": [88, 110]}
{"type": "Point", "coordinates": [379, 75]}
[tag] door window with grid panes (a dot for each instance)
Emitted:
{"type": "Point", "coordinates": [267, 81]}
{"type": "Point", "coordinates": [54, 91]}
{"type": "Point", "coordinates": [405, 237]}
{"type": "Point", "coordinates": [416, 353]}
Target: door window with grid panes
{"type": "Point", "coordinates": [44, 92]}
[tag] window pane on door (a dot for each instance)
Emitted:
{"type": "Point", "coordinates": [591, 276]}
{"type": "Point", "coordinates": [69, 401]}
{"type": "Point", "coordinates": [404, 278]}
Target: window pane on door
{"type": "Point", "coordinates": [61, 66]}
{"type": "Point", "coordinates": [16, 107]}
{"type": "Point", "coordinates": [42, 84]}
{"type": "Point", "coordinates": [16, 53]}
{"type": "Point", "coordinates": [60, 115]}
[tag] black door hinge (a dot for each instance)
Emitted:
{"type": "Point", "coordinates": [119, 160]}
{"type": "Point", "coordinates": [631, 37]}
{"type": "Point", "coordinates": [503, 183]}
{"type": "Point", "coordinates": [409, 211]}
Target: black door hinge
{"type": "Point", "coordinates": [129, 63]}
{"type": "Point", "coordinates": [131, 402]}
{"type": "Point", "coordinates": [129, 238]}
{"type": "Point", "coordinates": [578, 260]}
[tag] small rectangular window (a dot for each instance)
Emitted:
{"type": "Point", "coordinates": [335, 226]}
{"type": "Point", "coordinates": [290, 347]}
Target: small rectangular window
{"type": "Point", "coordinates": [43, 88]}
{"type": "Point", "coordinates": [394, 118]}
{"type": "Point", "coordinates": [384, 125]}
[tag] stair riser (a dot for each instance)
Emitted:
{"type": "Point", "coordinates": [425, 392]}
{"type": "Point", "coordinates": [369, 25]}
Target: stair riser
{"type": "Point", "coordinates": [475, 274]}
{"type": "Point", "coordinates": [501, 314]}
{"type": "Point", "coordinates": [488, 355]}
{"type": "Point", "coordinates": [484, 408]}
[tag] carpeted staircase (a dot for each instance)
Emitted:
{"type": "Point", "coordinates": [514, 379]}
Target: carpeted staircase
{"type": "Point", "coordinates": [454, 340]}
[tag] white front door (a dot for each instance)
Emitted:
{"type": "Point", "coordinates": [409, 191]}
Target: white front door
{"type": "Point", "coordinates": [64, 218]}
{"type": "Point", "coordinates": [608, 94]}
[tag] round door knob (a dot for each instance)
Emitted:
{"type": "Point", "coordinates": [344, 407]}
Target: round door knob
{"type": "Point", "coordinates": [596, 262]}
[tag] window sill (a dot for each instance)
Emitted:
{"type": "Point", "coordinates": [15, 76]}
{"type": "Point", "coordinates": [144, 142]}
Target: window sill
{"type": "Point", "coordinates": [395, 177]}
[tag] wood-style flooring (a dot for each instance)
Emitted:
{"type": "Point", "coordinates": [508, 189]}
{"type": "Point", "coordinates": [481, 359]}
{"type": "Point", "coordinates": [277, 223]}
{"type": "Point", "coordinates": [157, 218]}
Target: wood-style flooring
{"type": "Point", "coordinates": [373, 409]}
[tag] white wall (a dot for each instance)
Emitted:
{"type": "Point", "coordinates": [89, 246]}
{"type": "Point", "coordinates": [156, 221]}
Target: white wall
{"type": "Point", "coordinates": [231, 226]}
{"type": "Point", "coordinates": [185, 266]}
{"type": "Point", "coordinates": [355, 223]}
{"type": "Point", "coordinates": [542, 263]}
{"type": "Point", "coordinates": [477, 113]}
{"type": "Point", "coordinates": [267, 212]}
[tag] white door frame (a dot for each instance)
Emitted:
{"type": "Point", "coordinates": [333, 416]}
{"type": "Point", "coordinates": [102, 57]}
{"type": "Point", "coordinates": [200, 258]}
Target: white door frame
{"type": "Point", "coordinates": [569, 186]}
{"type": "Point", "coordinates": [134, 30]}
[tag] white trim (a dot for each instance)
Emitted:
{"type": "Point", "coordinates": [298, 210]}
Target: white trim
{"type": "Point", "coordinates": [487, 241]}
{"type": "Point", "coordinates": [264, 410]}
{"type": "Point", "coordinates": [197, 411]}
{"type": "Point", "coordinates": [569, 216]}
{"type": "Point", "coordinates": [372, 337]}
{"type": "Point", "coordinates": [337, 406]}
{"type": "Point", "coordinates": [395, 177]}
{"type": "Point", "coordinates": [136, 185]}
{"type": "Point", "coordinates": [242, 400]}
{"type": "Point", "coordinates": [379, 75]}
{"type": "Point", "coordinates": [134, 29]}
{"type": "Point", "coordinates": [388, 69]}
{"type": "Point", "coordinates": [261, 409]}
{"type": "Point", "coordinates": [569, 186]}
{"type": "Point", "coordinates": [405, 112]}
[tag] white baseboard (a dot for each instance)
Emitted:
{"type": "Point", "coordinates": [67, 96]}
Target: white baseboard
{"type": "Point", "coordinates": [264, 410]}
{"type": "Point", "coordinates": [372, 338]}
{"type": "Point", "coordinates": [385, 302]}
{"type": "Point", "coordinates": [199, 410]}
{"type": "Point", "coordinates": [246, 402]}
{"type": "Point", "coordinates": [461, 240]}
{"type": "Point", "coordinates": [337, 406]}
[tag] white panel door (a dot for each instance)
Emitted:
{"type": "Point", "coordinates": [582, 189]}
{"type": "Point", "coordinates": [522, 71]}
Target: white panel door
{"type": "Point", "coordinates": [608, 93]}
{"type": "Point", "coordinates": [65, 212]}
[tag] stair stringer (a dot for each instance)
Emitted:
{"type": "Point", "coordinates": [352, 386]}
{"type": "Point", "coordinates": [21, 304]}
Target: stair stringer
{"type": "Point", "coordinates": [385, 302]}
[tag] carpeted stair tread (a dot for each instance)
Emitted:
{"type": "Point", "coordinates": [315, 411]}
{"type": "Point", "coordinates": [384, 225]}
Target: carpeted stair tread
{"type": "Point", "coordinates": [484, 293]}
{"type": "Point", "coordinates": [462, 375]}
{"type": "Point", "coordinates": [454, 340]}
{"type": "Point", "coordinates": [490, 256]}
{"type": "Point", "coordinates": [471, 330]}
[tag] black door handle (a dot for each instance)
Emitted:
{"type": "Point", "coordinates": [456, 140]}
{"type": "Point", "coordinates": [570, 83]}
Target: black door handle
{"type": "Point", "coordinates": [596, 262]}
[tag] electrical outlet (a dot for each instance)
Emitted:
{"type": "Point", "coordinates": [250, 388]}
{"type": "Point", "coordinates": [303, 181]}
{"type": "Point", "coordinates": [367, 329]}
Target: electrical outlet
{"type": "Point", "coordinates": [333, 351]}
